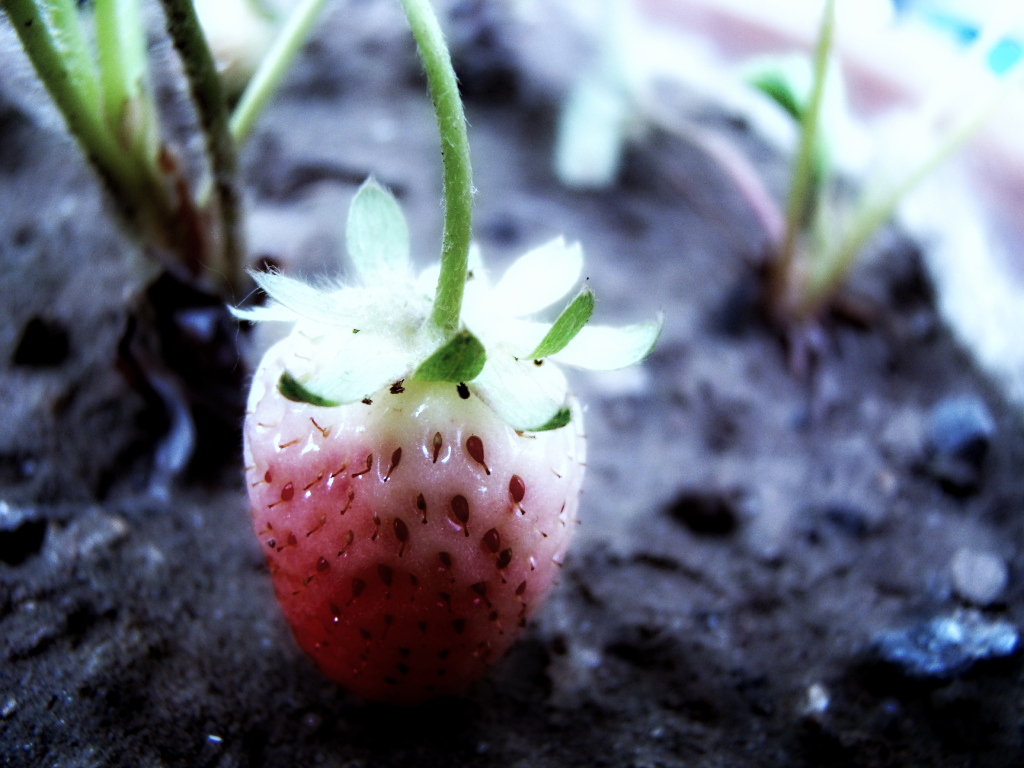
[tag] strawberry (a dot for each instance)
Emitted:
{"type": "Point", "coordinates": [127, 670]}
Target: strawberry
{"type": "Point", "coordinates": [414, 457]}
{"type": "Point", "coordinates": [410, 538]}
{"type": "Point", "coordinates": [414, 514]}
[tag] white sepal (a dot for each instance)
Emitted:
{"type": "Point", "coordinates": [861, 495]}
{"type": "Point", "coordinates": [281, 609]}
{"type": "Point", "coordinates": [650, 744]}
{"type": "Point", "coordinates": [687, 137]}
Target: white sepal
{"type": "Point", "coordinates": [606, 348]}
{"type": "Point", "coordinates": [360, 364]}
{"type": "Point", "coordinates": [539, 278]}
{"type": "Point", "coordinates": [376, 235]}
{"type": "Point", "coordinates": [303, 299]}
{"type": "Point", "coordinates": [269, 314]}
{"type": "Point", "coordinates": [524, 395]}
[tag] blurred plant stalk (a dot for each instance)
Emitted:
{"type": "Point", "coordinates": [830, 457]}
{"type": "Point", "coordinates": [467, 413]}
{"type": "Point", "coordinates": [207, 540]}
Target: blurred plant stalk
{"type": "Point", "coordinates": [101, 86]}
{"type": "Point", "coordinates": [823, 235]}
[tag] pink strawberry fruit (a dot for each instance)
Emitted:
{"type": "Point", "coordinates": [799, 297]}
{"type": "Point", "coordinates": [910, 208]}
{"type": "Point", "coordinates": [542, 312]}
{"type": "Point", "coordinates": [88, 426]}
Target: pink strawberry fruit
{"type": "Point", "coordinates": [415, 493]}
{"type": "Point", "coordinates": [413, 455]}
{"type": "Point", "coordinates": [411, 538]}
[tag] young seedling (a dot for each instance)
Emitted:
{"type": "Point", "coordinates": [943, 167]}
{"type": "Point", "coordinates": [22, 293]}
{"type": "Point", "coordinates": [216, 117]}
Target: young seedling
{"type": "Point", "coordinates": [413, 453]}
{"type": "Point", "coordinates": [102, 89]}
{"type": "Point", "coordinates": [620, 100]}
{"type": "Point", "coordinates": [817, 236]}
{"type": "Point", "coordinates": [825, 234]}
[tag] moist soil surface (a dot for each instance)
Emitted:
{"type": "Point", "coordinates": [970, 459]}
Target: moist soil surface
{"type": "Point", "coordinates": [751, 537]}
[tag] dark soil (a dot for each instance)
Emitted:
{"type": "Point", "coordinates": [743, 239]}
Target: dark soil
{"type": "Point", "coordinates": [746, 534]}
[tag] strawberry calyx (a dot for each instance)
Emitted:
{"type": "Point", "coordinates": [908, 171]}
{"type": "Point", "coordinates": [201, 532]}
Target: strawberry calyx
{"type": "Point", "coordinates": [461, 359]}
{"type": "Point", "coordinates": [448, 324]}
{"type": "Point", "coordinates": [363, 338]}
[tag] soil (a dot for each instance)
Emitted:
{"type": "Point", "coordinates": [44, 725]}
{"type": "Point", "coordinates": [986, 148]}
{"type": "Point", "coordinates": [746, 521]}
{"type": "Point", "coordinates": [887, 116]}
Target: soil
{"type": "Point", "coordinates": [747, 538]}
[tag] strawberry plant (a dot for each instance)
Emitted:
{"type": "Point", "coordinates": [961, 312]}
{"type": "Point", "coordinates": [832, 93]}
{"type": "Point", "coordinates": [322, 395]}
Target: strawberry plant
{"type": "Point", "coordinates": [824, 232]}
{"type": "Point", "coordinates": [413, 453]}
{"type": "Point", "coordinates": [179, 206]}
{"type": "Point", "coordinates": [102, 87]}
{"type": "Point", "coordinates": [816, 237]}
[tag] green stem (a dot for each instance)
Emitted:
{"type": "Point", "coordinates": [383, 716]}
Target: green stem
{"type": "Point", "coordinates": [272, 68]}
{"type": "Point", "coordinates": [55, 43]}
{"type": "Point", "coordinates": [458, 182]}
{"type": "Point", "coordinates": [129, 110]}
{"type": "Point", "coordinates": [52, 36]}
{"type": "Point", "coordinates": [803, 172]}
{"type": "Point", "coordinates": [204, 82]}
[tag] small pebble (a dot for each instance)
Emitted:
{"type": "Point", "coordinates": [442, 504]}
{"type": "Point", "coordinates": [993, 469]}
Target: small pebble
{"type": "Point", "coordinates": [9, 708]}
{"type": "Point", "coordinates": [961, 426]}
{"type": "Point", "coordinates": [817, 701]}
{"type": "Point", "coordinates": [946, 646]}
{"type": "Point", "coordinates": [200, 324]}
{"type": "Point", "coordinates": [957, 439]}
{"type": "Point", "coordinates": [978, 577]}
{"type": "Point", "coordinates": [97, 533]}
{"type": "Point", "coordinates": [11, 516]}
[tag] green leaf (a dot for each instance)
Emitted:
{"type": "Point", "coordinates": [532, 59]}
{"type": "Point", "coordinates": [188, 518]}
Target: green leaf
{"type": "Point", "coordinates": [568, 324]}
{"type": "Point", "coordinates": [785, 80]}
{"type": "Point", "coordinates": [376, 234]}
{"type": "Point", "coordinates": [604, 348]}
{"type": "Point", "coordinates": [290, 389]}
{"type": "Point", "coordinates": [459, 359]}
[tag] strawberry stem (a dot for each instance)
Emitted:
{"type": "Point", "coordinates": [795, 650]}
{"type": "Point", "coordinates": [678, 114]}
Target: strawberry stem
{"type": "Point", "coordinates": [211, 108]}
{"type": "Point", "coordinates": [458, 181]}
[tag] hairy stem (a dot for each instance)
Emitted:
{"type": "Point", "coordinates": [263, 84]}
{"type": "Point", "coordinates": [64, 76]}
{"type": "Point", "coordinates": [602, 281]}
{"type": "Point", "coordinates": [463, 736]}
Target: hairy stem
{"type": "Point", "coordinates": [55, 43]}
{"type": "Point", "coordinates": [207, 94]}
{"type": "Point", "coordinates": [271, 70]}
{"type": "Point", "coordinates": [458, 183]}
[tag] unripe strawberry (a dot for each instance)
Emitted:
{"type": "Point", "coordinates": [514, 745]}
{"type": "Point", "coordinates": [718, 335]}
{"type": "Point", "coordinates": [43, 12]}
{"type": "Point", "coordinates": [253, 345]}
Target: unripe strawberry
{"type": "Point", "coordinates": [415, 490]}
{"type": "Point", "coordinates": [414, 457]}
{"type": "Point", "coordinates": [411, 537]}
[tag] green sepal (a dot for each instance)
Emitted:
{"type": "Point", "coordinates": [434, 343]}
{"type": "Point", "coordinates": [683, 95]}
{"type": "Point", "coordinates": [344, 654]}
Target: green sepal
{"type": "Point", "coordinates": [460, 359]}
{"type": "Point", "coordinates": [559, 420]}
{"type": "Point", "coordinates": [290, 389]}
{"type": "Point", "coordinates": [376, 234]}
{"type": "Point", "coordinates": [568, 324]}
